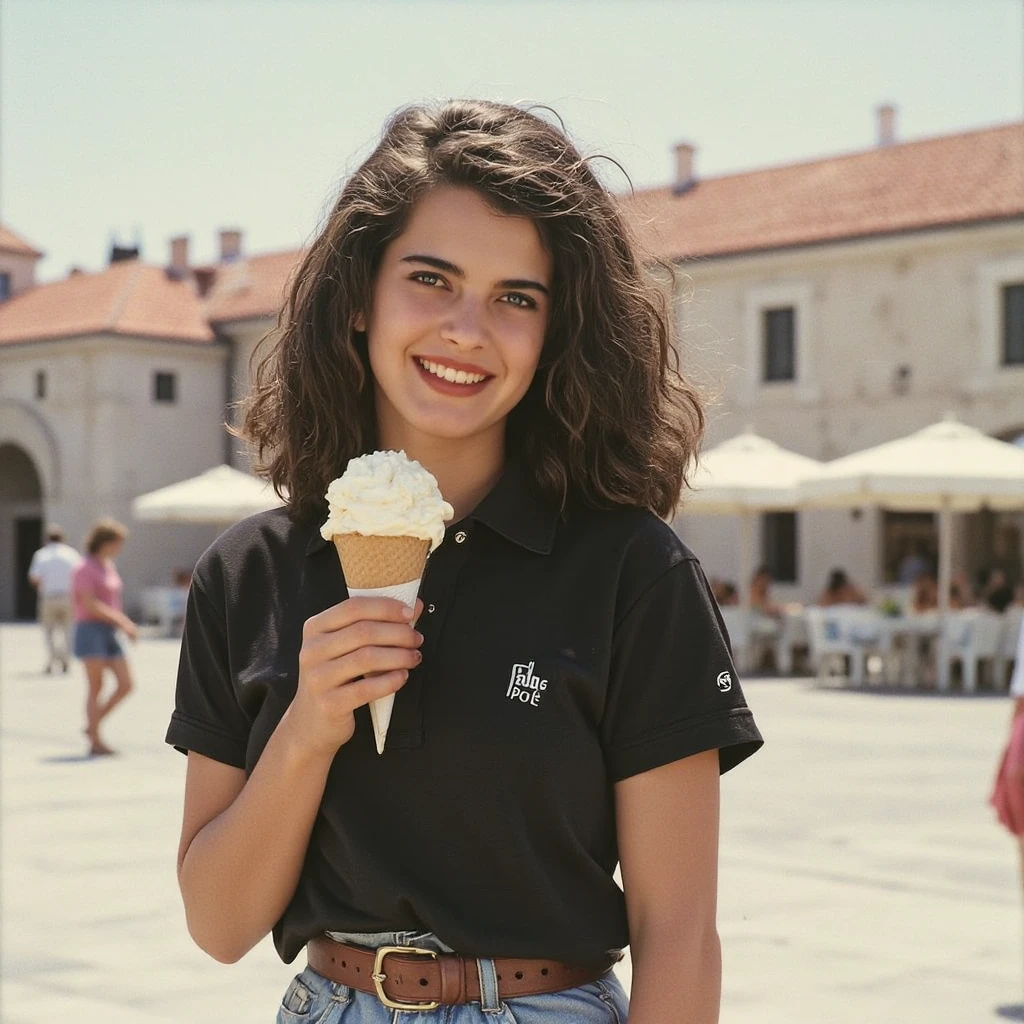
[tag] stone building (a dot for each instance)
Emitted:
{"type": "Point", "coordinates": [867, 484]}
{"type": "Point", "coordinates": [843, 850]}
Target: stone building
{"type": "Point", "coordinates": [830, 305]}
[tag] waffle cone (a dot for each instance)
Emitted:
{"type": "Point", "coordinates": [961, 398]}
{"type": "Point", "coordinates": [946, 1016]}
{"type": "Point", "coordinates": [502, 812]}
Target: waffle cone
{"type": "Point", "coordinates": [369, 562]}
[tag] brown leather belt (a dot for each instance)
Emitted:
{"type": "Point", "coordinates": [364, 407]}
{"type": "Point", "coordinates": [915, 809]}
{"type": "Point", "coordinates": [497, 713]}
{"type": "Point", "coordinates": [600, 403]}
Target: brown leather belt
{"type": "Point", "coordinates": [420, 979]}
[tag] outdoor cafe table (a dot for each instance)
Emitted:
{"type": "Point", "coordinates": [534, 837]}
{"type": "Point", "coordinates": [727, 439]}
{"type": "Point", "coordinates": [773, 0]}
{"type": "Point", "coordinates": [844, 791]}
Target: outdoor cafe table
{"type": "Point", "coordinates": [905, 633]}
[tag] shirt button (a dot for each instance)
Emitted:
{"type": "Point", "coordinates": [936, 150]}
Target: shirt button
{"type": "Point", "coordinates": [460, 536]}
{"type": "Point", "coordinates": [431, 609]}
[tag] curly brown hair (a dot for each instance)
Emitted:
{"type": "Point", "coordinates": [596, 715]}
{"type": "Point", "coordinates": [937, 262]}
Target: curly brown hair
{"type": "Point", "coordinates": [608, 416]}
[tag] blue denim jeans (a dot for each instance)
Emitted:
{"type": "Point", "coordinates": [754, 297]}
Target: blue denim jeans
{"type": "Point", "coordinates": [313, 999]}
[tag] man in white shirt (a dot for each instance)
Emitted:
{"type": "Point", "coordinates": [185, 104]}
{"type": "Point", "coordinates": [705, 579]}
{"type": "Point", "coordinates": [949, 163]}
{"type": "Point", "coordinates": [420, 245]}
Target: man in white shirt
{"type": "Point", "coordinates": [50, 573]}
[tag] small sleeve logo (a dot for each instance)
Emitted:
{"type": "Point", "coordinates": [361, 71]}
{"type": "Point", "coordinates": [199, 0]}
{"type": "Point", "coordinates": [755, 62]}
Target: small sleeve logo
{"type": "Point", "coordinates": [724, 681]}
{"type": "Point", "coordinates": [525, 685]}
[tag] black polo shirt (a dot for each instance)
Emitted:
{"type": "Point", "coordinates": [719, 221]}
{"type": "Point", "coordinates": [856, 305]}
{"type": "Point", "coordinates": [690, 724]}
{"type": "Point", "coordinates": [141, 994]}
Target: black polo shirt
{"type": "Point", "coordinates": [560, 656]}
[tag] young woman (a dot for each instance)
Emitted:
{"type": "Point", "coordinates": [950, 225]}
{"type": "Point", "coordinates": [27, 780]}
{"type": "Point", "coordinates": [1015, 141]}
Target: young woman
{"type": "Point", "coordinates": [565, 697]}
{"type": "Point", "coordinates": [96, 595]}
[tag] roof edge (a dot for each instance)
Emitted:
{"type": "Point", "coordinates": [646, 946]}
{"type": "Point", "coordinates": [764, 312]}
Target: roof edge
{"type": "Point", "coordinates": [845, 239]}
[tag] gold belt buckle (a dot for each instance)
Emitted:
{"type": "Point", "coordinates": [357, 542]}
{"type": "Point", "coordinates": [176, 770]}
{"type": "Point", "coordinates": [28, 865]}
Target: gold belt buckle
{"type": "Point", "coordinates": [379, 977]}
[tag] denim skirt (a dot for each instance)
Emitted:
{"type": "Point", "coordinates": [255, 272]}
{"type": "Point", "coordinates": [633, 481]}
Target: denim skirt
{"type": "Point", "coordinates": [96, 640]}
{"type": "Point", "coordinates": [314, 999]}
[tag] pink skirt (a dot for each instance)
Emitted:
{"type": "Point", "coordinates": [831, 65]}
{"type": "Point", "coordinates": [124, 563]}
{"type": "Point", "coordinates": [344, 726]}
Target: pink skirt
{"type": "Point", "coordinates": [1008, 792]}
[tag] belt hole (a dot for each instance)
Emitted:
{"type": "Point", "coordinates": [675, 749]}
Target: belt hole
{"type": "Point", "coordinates": [343, 964]}
{"type": "Point", "coordinates": [499, 977]}
{"type": "Point", "coordinates": [423, 981]}
{"type": "Point", "coordinates": [358, 970]}
{"type": "Point", "coordinates": [544, 971]}
{"type": "Point", "coordinates": [519, 975]}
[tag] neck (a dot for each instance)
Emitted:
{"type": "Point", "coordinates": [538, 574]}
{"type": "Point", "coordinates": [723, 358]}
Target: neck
{"type": "Point", "coordinates": [466, 469]}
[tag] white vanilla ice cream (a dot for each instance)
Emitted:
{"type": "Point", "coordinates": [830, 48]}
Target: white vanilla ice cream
{"type": "Point", "coordinates": [386, 494]}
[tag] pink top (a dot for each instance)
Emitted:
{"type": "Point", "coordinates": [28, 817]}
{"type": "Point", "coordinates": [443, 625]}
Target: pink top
{"type": "Point", "coordinates": [98, 578]}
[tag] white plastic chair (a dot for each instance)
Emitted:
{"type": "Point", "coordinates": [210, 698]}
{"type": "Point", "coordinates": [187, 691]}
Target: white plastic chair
{"type": "Point", "coordinates": [846, 632]}
{"type": "Point", "coordinates": [968, 636]}
{"type": "Point", "coordinates": [738, 625]}
{"type": "Point", "coordinates": [1013, 623]}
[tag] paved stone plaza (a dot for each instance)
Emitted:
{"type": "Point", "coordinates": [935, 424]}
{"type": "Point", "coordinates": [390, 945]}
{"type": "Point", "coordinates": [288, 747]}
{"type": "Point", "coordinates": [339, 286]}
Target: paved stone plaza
{"type": "Point", "coordinates": [863, 878]}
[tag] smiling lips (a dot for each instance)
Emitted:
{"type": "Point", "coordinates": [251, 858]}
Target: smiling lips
{"type": "Point", "coordinates": [445, 374]}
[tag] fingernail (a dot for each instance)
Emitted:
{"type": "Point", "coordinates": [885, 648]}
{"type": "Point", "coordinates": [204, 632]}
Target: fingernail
{"type": "Point", "coordinates": [418, 655]}
{"type": "Point", "coordinates": [418, 635]}
{"type": "Point", "coordinates": [407, 612]}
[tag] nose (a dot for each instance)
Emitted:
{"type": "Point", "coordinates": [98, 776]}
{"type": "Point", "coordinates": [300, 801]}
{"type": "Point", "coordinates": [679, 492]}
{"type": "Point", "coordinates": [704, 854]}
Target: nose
{"type": "Point", "coordinates": [465, 325]}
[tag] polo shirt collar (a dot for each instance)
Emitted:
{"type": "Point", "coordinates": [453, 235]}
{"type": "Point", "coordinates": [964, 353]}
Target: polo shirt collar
{"type": "Point", "coordinates": [513, 509]}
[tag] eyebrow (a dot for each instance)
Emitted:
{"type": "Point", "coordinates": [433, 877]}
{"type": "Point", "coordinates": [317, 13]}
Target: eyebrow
{"type": "Point", "coordinates": [450, 268]}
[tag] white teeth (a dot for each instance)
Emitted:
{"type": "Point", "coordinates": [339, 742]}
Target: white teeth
{"type": "Point", "coordinates": [450, 374]}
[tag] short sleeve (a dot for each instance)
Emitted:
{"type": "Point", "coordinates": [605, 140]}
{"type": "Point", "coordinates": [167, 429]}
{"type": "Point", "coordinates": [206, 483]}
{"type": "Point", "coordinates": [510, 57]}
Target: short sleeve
{"type": "Point", "coordinates": [83, 578]}
{"type": "Point", "coordinates": [673, 689]}
{"type": "Point", "coordinates": [207, 717]}
{"type": "Point", "coordinates": [33, 566]}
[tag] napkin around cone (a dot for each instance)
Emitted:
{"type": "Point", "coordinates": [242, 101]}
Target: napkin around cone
{"type": "Point", "coordinates": [382, 567]}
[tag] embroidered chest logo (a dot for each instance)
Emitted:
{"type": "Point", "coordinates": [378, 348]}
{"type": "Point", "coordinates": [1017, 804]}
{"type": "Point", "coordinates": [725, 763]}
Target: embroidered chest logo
{"type": "Point", "coordinates": [724, 682]}
{"type": "Point", "coordinates": [525, 686]}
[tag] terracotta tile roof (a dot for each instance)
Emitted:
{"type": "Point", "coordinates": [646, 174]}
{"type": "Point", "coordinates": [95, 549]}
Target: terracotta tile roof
{"type": "Point", "coordinates": [954, 179]}
{"type": "Point", "coordinates": [10, 242]}
{"type": "Point", "coordinates": [127, 298]}
{"type": "Point", "coordinates": [252, 287]}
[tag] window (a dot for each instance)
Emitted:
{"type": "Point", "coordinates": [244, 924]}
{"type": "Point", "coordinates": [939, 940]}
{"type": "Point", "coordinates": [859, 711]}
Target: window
{"type": "Point", "coordinates": [1013, 324]}
{"type": "Point", "coordinates": [999, 303]}
{"type": "Point", "coordinates": [779, 344]}
{"type": "Point", "coordinates": [40, 383]}
{"type": "Point", "coordinates": [165, 387]}
{"type": "Point", "coordinates": [779, 545]}
{"type": "Point", "coordinates": [5, 286]}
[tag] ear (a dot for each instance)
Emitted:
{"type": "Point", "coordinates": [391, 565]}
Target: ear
{"type": "Point", "coordinates": [359, 323]}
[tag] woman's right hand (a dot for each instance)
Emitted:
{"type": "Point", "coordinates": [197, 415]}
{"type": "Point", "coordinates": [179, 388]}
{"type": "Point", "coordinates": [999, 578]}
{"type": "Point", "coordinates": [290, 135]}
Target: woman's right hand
{"type": "Point", "coordinates": [352, 653]}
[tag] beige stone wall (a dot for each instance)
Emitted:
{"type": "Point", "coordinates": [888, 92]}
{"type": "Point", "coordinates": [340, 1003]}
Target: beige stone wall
{"type": "Point", "coordinates": [245, 338]}
{"type": "Point", "coordinates": [108, 441]}
{"type": "Point", "coordinates": [928, 301]}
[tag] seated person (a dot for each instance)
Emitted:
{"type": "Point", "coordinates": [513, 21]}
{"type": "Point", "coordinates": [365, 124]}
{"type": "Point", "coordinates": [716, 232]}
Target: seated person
{"type": "Point", "coordinates": [961, 594]}
{"type": "Point", "coordinates": [760, 593]}
{"type": "Point", "coordinates": [725, 593]}
{"type": "Point", "coordinates": [996, 592]}
{"type": "Point", "coordinates": [840, 590]}
{"type": "Point", "coordinates": [925, 595]}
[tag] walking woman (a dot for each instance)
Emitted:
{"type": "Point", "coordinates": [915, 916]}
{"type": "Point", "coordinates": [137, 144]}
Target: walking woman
{"type": "Point", "coordinates": [96, 594]}
{"type": "Point", "coordinates": [474, 300]}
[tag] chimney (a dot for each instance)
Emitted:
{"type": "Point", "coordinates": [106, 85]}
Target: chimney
{"type": "Point", "coordinates": [230, 245]}
{"type": "Point", "coordinates": [119, 253]}
{"type": "Point", "coordinates": [685, 177]}
{"type": "Point", "coordinates": [886, 114]}
{"type": "Point", "coordinates": [179, 257]}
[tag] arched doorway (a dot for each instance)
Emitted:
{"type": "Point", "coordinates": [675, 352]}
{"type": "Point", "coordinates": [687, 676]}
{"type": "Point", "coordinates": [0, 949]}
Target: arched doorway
{"type": "Point", "coordinates": [21, 529]}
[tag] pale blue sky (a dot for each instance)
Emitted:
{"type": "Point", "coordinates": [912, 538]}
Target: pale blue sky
{"type": "Point", "coordinates": [185, 116]}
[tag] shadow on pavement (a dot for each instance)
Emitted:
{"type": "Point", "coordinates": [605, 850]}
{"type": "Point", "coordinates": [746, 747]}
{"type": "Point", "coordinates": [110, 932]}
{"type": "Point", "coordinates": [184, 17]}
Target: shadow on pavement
{"type": "Point", "coordinates": [69, 758]}
{"type": "Point", "coordinates": [1012, 1012]}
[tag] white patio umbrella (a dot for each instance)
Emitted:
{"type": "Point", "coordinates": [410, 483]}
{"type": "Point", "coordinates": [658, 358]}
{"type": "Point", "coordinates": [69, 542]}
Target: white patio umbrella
{"type": "Point", "coordinates": [220, 495]}
{"type": "Point", "coordinates": [947, 467]}
{"type": "Point", "coordinates": [744, 476]}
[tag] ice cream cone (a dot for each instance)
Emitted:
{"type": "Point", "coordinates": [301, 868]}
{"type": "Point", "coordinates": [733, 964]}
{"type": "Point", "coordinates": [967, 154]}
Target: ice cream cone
{"type": "Point", "coordinates": [386, 514]}
{"type": "Point", "coordinates": [382, 567]}
{"type": "Point", "coordinates": [380, 561]}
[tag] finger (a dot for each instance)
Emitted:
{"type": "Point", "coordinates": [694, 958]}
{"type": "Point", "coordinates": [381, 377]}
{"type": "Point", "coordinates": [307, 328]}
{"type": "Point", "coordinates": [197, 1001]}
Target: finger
{"type": "Point", "coordinates": [371, 660]}
{"type": "Point", "coordinates": [338, 616]}
{"type": "Point", "coordinates": [329, 675]}
{"type": "Point", "coordinates": [362, 691]}
{"type": "Point", "coordinates": [366, 633]}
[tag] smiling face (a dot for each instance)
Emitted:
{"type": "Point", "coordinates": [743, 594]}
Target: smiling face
{"type": "Point", "coordinates": [460, 308]}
